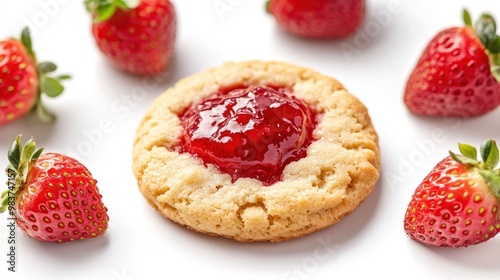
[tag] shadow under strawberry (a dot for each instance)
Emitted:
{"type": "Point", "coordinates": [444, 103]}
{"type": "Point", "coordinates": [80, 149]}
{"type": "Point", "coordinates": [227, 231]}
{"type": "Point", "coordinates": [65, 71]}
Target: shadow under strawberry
{"type": "Point", "coordinates": [28, 125]}
{"type": "Point", "coordinates": [457, 128]}
{"type": "Point", "coordinates": [64, 255]}
{"type": "Point", "coordinates": [480, 257]}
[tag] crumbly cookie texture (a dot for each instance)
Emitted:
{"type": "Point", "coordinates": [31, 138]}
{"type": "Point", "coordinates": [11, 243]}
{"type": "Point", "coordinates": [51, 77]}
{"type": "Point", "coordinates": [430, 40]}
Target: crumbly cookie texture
{"type": "Point", "coordinates": [339, 172]}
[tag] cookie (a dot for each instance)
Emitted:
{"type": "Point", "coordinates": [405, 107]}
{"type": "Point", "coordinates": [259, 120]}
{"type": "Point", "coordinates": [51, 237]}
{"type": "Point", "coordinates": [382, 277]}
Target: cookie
{"type": "Point", "coordinates": [336, 172]}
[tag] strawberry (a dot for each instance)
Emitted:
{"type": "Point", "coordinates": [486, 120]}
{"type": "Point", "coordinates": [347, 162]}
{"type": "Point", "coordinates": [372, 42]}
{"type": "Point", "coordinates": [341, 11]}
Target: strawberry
{"type": "Point", "coordinates": [23, 81]}
{"type": "Point", "coordinates": [456, 205]}
{"type": "Point", "coordinates": [320, 19]}
{"type": "Point", "coordinates": [457, 74]}
{"type": "Point", "coordinates": [53, 197]}
{"type": "Point", "coordinates": [136, 36]}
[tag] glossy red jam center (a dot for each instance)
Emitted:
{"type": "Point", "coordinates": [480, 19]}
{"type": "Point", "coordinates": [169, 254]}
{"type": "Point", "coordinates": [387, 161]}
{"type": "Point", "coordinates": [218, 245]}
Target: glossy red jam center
{"type": "Point", "coordinates": [249, 132]}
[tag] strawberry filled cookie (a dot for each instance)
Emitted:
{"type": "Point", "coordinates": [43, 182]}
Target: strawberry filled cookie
{"type": "Point", "coordinates": [256, 151]}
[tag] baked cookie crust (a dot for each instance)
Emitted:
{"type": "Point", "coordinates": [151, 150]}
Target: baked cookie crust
{"type": "Point", "coordinates": [340, 170]}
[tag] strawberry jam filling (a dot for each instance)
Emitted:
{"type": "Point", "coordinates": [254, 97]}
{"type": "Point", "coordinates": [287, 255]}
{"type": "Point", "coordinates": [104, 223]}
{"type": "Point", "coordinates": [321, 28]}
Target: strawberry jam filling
{"type": "Point", "coordinates": [250, 131]}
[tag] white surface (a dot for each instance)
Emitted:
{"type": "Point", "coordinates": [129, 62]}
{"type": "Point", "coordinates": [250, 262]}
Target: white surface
{"type": "Point", "coordinates": [140, 244]}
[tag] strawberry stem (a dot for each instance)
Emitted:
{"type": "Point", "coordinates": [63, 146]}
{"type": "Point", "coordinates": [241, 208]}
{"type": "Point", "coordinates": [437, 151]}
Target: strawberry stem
{"type": "Point", "coordinates": [468, 150]}
{"type": "Point", "coordinates": [21, 159]}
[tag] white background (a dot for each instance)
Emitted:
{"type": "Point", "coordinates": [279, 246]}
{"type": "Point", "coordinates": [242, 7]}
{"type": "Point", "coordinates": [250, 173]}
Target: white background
{"type": "Point", "coordinates": [373, 64]}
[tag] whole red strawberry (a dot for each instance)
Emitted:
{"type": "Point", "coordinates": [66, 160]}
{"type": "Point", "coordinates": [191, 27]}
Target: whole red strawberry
{"type": "Point", "coordinates": [52, 196]}
{"type": "Point", "coordinates": [318, 18]}
{"type": "Point", "coordinates": [457, 74]}
{"type": "Point", "coordinates": [136, 36]}
{"type": "Point", "coordinates": [23, 81]}
{"type": "Point", "coordinates": [456, 205]}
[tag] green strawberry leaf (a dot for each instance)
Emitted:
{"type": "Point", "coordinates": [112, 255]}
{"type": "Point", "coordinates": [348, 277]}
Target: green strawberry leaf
{"type": "Point", "coordinates": [494, 46]}
{"type": "Point", "coordinates": [486, 29]}
{"type": "Point", "coordinates": [463, 159]}
{"type": "Point", "coordinates": [47, 67]}
{"type": "Point", "coordinates": [14, 154]}
{"type": "Point", "coordinates": [26, 40]}
{"type": "Point", "coordinates": [467, 18]}
{"type": "Point", "coordinates": [27, 151]}
{"type": "Point", "coordinates": [37, 154]}
{"type": "Point", "coordinates": [491, 158]}
{"type": "Point", "coordinates": [5, 201]}
{"type": "Point", "coordinates": [485, 149]}
{"type": "Point", "coordinates": [104, 12]}
{"type": "Point", "coordinates": [468, 150]}
{"type": "Point", "coordinates": [51, 87]}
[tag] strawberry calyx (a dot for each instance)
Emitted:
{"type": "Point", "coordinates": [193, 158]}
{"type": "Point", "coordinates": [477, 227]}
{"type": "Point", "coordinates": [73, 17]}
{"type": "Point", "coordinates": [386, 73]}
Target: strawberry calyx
{"type": "Point", "coordinates": [486, 30]}
{"type": "Point", "coordinates": [21, 159]}
{"type": "Point", "coordinates": [487, 167]}
{"type": "Point", "coordinates": [50, 86]}
{"type": "Point", "coordinates": [104, 9]}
